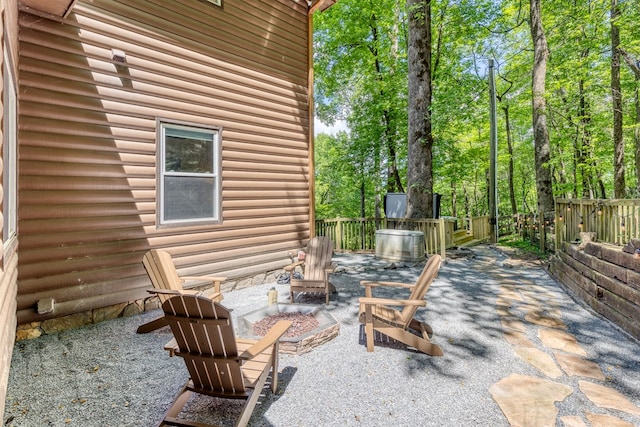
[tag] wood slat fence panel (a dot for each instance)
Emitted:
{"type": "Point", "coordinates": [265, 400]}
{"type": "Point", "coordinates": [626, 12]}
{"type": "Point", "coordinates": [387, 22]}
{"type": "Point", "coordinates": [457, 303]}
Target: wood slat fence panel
{"type": "Point", "coordinates": [613, 221]}
{"type": "Point", "coordinates": [358, 234]}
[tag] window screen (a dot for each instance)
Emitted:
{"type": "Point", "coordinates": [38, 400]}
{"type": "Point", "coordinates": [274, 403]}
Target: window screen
{"type": "Point", "coordinates": [190, 185]}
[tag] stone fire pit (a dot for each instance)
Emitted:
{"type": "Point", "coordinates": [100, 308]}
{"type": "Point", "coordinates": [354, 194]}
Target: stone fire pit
{"type": "Point", "coordinates": [327, 329]}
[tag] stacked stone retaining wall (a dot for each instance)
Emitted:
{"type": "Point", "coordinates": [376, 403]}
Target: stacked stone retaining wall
{"type": "Point", "coordinates": [604, 277]}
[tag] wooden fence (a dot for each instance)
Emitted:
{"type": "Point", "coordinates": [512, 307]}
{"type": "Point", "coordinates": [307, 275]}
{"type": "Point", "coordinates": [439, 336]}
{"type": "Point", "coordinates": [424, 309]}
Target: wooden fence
{"type": "Point", "coordinates": [612, 221]}
{"type": "Point", "coordinates": [359, 234]}
{"type": "Point", "coordinates": [538, 229]}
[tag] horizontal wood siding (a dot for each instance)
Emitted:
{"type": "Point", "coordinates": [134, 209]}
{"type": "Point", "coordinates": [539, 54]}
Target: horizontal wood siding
{"type": "Point", "coordinates": [88, 142]}
{"type": "Point", "coordinates": [9, 262]}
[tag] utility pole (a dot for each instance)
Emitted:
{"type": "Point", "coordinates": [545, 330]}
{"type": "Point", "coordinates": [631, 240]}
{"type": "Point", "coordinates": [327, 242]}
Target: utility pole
{"type": "Point", "coordinates": [493, 161]}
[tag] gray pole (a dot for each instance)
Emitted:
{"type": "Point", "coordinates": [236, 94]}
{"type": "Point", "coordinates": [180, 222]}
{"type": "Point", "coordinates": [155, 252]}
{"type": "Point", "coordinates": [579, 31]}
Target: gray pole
{"type": "Point", "coordinates": [493, 161]}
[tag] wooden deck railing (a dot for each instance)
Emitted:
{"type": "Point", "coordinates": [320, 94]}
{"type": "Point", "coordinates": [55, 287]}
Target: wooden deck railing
{"type": "Point", "coordinates": [612, 221]}
{"type": "Point", "coordinates": [359, 234]}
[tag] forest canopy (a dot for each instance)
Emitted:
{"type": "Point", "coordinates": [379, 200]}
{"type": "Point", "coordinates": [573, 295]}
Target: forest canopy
{"type": "Point", "coordinates": [360, 63]}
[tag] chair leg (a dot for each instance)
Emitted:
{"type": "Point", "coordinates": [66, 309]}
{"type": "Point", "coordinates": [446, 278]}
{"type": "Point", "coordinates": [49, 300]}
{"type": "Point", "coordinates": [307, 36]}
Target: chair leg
{"type": "Point", "coordinates": [368, 327]}
{"type": "Point", "coordinates": [274, 367]}
{"type": "Point", "coordinates": [247, 410]}
{"type": "Point", "coordinates": [176, 407]}
{"type": "Point", "coordinates": [152, 326]}
{"type": "Point", "coordinates": [406, 337]}
{"type": "Point", "coordinates": [423, 328]}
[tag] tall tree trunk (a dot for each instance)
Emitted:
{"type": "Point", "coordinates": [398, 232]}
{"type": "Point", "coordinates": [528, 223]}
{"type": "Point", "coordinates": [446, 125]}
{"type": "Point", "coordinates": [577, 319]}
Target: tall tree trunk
{"type": "Point", "coordinates": [394, 183]}
{"type": "Point", "coordinates": [363, 212]}
{"type": "Point", "coordinates": [616, 99]}
{"type": "Point", "coordinates": [540, 132]}
{"type": "Point", "coordinates": [634, 65]}
{"type": "Point", "coordinates": [512, 191]}
{"type": "Point", "coordinates": [420, 144]}
{"type": "Point", "coordinates": [586, 151]}
{"type": "Point", "coordinates": [636, 135]}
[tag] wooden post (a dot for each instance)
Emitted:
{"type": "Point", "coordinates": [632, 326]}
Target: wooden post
{"type": "Point", "coordinates": [557, 225]}
{"type": "Point", "coordinates": [443, 243]}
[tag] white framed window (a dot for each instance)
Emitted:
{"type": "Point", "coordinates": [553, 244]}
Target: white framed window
{"type": "Point", "coordinates": [189, 174]}
{"type": "Point", "coordinates": [9, 154]}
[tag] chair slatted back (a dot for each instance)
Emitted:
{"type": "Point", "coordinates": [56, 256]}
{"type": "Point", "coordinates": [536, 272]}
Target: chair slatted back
{"type": "Point", "coordinates": [162, 271]}
{"type": "Point", "coordinates": [429, 273]}
{"type": "Point", "coordinates": [318, 258]}
{"type": "Point", "coordinates": [206, 340]}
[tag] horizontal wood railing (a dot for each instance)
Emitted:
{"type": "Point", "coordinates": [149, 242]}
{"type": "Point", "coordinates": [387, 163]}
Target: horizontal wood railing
{"type": "Point", "coordinates": [359, 234]}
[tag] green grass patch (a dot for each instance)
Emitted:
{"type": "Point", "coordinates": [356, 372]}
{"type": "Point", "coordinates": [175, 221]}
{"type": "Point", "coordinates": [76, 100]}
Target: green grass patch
{"type": "Point", "coordinates": [523, 247]}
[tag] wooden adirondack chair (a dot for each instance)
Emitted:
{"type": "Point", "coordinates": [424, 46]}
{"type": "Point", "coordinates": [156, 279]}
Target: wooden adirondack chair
{"type": "Point", "coordinates": [316, 269]}
{"type": "Point", "coordinates": [376, 314]}
{"type": "Point", "coordinates": [219, 365]}
{"type": "Point", "coordinates": [164, 276]}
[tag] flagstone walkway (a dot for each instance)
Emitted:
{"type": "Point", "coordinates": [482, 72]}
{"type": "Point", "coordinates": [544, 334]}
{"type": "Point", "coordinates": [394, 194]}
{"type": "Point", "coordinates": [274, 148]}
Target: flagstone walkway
{"type": "Point", "coordinates": [527, 309]}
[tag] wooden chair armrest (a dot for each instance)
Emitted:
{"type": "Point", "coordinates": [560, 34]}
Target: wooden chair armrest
{"type": "Point", "coordinates": [171, 291]}
{"type": "Point", "coordinates": [216, 296]}
{"type": "Point", "coordinates": [215, 281]}
{"type": "Point", "coordinates": [368, 286]}
{"type": "Point", "coordinates": [391, 301]}
{"type": "Point", "coordinates": [331, 268]}
{"type": "Point", "coordinates": [290, 267]}
{"type": "Point", "coordinates": [389, 284]}
{"type": "Point", "coordinates": [203, 278]}
{"type": "Point", "coordinates": [171, 347]}
{"type": "Point", "coordinates": [269, 339]}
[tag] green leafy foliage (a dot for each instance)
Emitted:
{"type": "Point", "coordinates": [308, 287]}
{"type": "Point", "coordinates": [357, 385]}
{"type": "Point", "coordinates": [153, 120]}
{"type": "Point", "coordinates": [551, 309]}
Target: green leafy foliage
{"type": "Point", "coordinates": [361, 77]}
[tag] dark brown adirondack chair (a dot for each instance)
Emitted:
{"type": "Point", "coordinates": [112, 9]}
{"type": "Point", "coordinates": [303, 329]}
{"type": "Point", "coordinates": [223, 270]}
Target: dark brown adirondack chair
{"type": "Point", "coordinates": [164, 277]}
{"type": "Point", "coordinates": [316, 269]}
{"type": "Point", "coordinates": [377, 315]}
{"type": "Point", "coordinates": [219, 365]}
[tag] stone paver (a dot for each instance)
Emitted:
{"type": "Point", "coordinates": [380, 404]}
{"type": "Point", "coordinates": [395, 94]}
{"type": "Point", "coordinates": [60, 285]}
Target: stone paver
{"type": "Point", "coordinates": [606, 420]}
{"type": "Point", "coordinates": [539, 360]}
{"type": "Point", "coordinates": [529, 401]}
{"type": "Point", "coordinates": [543, 319]}
{"type": "Point", "coordinates": [527, 309]}
{"type": "Point", "coordinates": [606, 397]}
{"type": "Point", "coordinates": [579, 367]}
{"type": "Point", "coordinates": [516, 338]}
{"type": "Point", "coordinates": [560, 340]}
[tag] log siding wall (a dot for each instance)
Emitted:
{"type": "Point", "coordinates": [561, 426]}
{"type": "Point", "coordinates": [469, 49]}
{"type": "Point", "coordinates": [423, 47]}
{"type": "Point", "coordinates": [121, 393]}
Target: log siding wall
{"type": "Point", "coordinates": [8, 272]}
{"type": "Point", "coordinates": [88, 142]}
{"type": "Point", "coordinates": [605, 278]}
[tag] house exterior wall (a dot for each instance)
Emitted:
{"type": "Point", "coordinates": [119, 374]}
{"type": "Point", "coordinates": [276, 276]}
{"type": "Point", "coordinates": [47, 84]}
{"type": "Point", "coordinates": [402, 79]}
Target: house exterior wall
{"type": "Point", "coordinates": [87, 198]}
{"type": "Point", "coordinates": [8, 272]}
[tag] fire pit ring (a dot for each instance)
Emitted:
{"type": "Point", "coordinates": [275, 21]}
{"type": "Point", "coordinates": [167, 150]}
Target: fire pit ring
{"type": "Point", "coordinates": [327, 329]}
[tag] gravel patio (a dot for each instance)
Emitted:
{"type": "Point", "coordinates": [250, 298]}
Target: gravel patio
{"type": "Point", "coordinates": [480, 308]}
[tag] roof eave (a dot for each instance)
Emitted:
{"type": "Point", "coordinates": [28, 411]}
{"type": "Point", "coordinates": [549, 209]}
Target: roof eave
{"type": "Point", "coordinates": [48, 8]}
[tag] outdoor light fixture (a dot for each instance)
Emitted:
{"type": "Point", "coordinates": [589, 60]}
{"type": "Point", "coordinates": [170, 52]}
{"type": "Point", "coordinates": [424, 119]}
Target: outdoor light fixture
{"type": "Point", "coordinates": [581, 225]}
{"type": "Point", "coordinates": [569, 207]}
{"type": "Point", "coordinates": [636, 254]}
{"type": "Point", "coordinates": [118, 55]}
{"type": "Point", "coordinates": [622, 225]}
